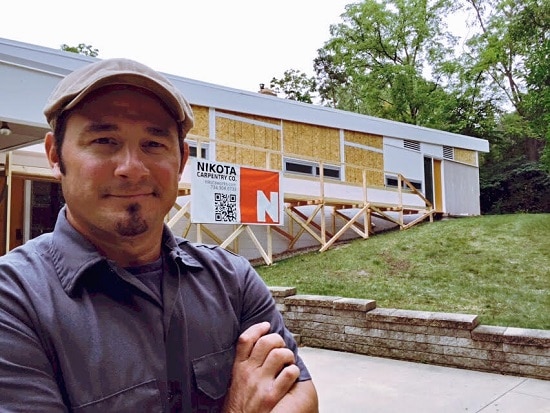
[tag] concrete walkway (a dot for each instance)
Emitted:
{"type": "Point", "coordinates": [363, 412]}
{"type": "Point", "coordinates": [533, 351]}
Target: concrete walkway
{"type": "Point", "coordinates": [349, 383]}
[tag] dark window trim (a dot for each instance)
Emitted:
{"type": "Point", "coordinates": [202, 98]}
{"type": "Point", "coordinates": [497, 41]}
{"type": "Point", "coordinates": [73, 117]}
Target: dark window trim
{"type": "Point", "coordinates": [193, 150]}
{"type": "Point", "coordinates": [310, 168]}
{"type": "Point", "coordinates": [391, 182]}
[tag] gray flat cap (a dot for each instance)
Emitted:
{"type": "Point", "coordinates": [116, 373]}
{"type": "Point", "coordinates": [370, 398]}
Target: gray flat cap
{"type": "Point", "coordinates": [76, 85]}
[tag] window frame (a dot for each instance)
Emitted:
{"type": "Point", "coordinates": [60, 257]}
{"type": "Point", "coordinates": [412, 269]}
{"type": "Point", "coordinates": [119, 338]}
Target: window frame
{"type": "Point", "coordinates": [311, 168]}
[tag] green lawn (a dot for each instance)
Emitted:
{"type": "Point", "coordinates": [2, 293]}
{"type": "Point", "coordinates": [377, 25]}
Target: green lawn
{"type": "Point", "coordinates": [495, 266]}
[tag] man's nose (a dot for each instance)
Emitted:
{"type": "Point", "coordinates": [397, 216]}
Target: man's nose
{"type": "Point", "coordinates": [131, 164]}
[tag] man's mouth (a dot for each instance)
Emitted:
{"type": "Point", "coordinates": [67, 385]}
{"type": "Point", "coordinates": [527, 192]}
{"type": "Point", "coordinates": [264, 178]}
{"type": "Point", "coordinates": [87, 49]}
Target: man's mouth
{"type": "Point", "coordinates": [136, 195]}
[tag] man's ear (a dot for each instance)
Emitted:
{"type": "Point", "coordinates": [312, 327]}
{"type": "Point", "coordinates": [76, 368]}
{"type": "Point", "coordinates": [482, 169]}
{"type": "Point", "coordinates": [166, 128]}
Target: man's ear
{"type": "Point", "coordinates": [53, 155]}
{"type": "Point", "coordinates": [184, 157]}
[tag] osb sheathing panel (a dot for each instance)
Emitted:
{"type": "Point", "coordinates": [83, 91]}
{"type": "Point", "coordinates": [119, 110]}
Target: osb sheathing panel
{"type": "Point", "coordinates": [201, 121]}
{"type": "Point", "coordinates": [358, 159]}
{"type": "Point", "coordinates": [310, 141]}
{"type": "Point", "coordinates": [259, 140]}
{"type": "Point", "coordinates": [252, 117]}
{"type": "Point", "coordinates": [465, 156]}
{"type": "Point", "coordinates": [367, 139]}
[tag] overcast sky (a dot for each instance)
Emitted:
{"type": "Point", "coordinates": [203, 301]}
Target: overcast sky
{"type": "Point", "coordinates": [235, 43]}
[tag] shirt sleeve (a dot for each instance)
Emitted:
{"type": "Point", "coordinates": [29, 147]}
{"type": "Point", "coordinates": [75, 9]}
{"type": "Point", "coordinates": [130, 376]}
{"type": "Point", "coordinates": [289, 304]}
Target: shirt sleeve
{"type": "Point", "coordinates": [27, 380]}
{"type": "Point", "coordinates": [259, 306]}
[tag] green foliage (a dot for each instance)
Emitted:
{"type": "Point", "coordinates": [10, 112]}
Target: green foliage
{"type": "Point", "coordinates": [494, 266]}
{"type": "Point", "coordinates": [295, 85]}
{"type": "Point", "coordinates": [510, 181]}
{"type": "Point", "coordinates": [83, 49]}
{"type": "Point", "coordinates": [493, 53]}
{"type": "Point", "coordinates": [532, 29]}
{"type": "Point", "coordinates": [332, 82]}
{"type": "Point", "coordinates": [514, 185]}
{"type": "Point", "coordinates": [509, 56]}
{"type": "Point", "coordinates": [375, 61]}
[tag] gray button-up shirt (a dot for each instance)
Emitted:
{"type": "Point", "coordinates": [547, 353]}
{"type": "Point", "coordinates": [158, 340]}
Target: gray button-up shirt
{"type": "Point", "coordinates": [78, 333]}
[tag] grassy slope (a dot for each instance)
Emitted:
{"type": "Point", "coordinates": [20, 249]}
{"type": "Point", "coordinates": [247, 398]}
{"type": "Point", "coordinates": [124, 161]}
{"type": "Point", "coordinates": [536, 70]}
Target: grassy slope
{"type": "Point", "coordinates": [497, 267]}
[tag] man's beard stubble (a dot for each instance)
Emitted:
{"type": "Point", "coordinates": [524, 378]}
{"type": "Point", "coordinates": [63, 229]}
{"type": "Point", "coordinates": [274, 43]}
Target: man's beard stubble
{"type": "Point", "coordinates": [134, 224]}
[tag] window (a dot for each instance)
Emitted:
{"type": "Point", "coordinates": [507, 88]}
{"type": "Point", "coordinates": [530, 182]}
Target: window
{"type": "Point", "coordinates": [45, 203]}
{"type": "Point", "coordinates": [392, 181]}
{"type": "Point", "coordinates": [297, 167]}
{"type": "Point", "coordinates": [311, 168]}
{"type": "Point", "coordinates": [193, 150]}
{"type": "Point", "coordinates": [329, 171]}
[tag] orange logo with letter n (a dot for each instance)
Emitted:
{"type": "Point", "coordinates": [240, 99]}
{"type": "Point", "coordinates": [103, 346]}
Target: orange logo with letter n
{"type": "Point", "coordinates": [260, 196]}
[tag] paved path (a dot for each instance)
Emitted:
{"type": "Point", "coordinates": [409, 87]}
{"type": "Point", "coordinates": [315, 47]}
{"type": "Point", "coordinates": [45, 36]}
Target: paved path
{"type": "Point", "coordinates": [349, 383]}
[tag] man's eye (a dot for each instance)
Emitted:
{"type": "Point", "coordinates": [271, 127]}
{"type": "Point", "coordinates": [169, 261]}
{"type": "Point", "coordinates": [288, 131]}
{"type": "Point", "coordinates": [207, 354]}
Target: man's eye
{"type": "Point", "coordinates": [104, 141]}
{"type": "Point", "coordinates": [154, 144]}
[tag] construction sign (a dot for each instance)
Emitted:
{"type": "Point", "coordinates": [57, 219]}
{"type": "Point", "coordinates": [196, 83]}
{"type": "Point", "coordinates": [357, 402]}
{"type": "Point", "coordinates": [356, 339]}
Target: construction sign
{"type": "Point", "coordinates": [223, 193]}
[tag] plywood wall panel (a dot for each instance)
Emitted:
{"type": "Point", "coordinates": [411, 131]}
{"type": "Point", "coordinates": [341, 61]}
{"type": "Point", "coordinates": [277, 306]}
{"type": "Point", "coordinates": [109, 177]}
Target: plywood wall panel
{"type": "Point", "coordinates": [465, 156]}
{"type": "Point", "coordinates": [366, 139]}
{"type": "Point", "coordinates": [201, 126]}
{"type": "Point", "coordinates": [252, 140]}
{"type": "Point", "coordinates": [311, 141]}
{"type": "Point", "coordinates": [358, 159]}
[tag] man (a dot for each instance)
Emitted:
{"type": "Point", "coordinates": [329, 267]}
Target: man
{"type": "Point", "coordinates": [113, 313]}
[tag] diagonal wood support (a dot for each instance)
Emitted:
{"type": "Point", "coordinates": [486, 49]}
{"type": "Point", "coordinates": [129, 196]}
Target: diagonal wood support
{"type": "Point", "coordinates": [349, 224]}
{"type": "Point", "coordinates": [267, 256]}
{"type": "Point", "coordinates": [304, 225]}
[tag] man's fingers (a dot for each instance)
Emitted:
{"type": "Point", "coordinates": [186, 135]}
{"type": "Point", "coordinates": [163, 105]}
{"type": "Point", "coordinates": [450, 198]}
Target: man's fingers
{"type": "Point", "coordinates": [264, 371]}
{"type": "Point", "coordinates": [264, 347]}
{"type": "Point", "coordinates": [286, 379]}
{"type": "Point", "coordinates": [277, 360]}
{"type": "Point", "coordinates": [249, 338]}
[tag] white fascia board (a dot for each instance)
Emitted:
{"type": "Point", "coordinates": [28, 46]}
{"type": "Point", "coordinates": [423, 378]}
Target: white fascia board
{"type": "Point", "coordinates": [44, 59]}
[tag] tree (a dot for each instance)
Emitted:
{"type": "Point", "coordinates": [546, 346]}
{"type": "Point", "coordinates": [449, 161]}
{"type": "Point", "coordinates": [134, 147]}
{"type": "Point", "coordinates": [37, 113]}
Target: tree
{"type": "Point", "coordinates": [295, 85]}
{"type": "Point", "coordinates": [494, 52]}
{"type": "Point", "coordinates": [379, 59]}
{"type": "Point", "coordinates": [532, 29]}
{"type": "Point", "coordinates": [332, 80]}
{"type": "Point", "coordinates": [510, 53]}
{"type": "Point", "coordinates": [82, 49]}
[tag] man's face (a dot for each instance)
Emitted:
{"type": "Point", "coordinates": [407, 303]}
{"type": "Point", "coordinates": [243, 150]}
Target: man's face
{"type": "Point", "coordinates": [122, 164]}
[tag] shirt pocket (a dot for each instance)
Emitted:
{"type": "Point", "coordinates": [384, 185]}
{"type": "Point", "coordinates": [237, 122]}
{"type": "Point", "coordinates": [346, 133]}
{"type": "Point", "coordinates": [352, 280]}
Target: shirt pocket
{"type": "Point", "coordinates": [144, 397]}
{"type": "Point", "coordinates": [213, 372]}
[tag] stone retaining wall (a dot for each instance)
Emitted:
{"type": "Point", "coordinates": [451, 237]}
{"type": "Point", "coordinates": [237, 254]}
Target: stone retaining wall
{"type": "Point", "coordinates": [455, 340]}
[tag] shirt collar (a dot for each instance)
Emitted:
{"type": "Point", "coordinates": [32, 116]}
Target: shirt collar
{"type": "Point", "coordinates": [73, 255]}
{"type": "Point", "coordinates": [176, 246]}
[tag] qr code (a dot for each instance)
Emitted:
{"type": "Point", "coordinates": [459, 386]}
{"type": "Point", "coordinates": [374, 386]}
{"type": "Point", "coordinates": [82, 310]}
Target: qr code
{"type": "Point", "coordinates": [225, 207]}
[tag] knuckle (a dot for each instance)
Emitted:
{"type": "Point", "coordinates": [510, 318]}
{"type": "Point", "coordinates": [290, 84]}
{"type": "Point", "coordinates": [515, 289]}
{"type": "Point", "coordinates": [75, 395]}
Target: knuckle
{"type": "Point", "coordinates": [289, 374]}
{"type": "Point", "coordinates": [270, 341]}
{"type": "Point", "coordinates": [244, 338]}
{"type": "Point", "coordinates": [274, 339]}
{"type": "Point", "coordinates": [271, 399]}
{"type": "Point", "coordinates": [284, 354]}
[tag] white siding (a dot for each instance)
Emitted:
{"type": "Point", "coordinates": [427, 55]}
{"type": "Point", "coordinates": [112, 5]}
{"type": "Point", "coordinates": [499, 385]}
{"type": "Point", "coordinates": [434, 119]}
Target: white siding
{"type": "Point", "coordinates": [434, 151]}
{"type": "Point", "coordinates": [461, 187]}
{"type": "Point", "coordinates": [408, 163]}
